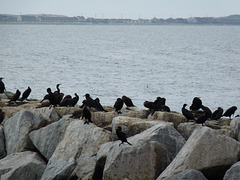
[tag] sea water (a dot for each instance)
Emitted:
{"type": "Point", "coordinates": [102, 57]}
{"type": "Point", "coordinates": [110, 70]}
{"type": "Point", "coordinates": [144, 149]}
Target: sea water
{"type": "Point", "coordinates": [141, 62]}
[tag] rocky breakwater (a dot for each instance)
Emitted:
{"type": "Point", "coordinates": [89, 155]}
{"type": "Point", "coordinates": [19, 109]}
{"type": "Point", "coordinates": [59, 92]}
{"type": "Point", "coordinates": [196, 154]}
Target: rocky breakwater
{"type": "Point", "coordinates": [55, 143]}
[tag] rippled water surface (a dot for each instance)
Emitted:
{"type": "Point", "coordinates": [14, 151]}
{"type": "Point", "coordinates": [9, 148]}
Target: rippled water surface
{"type": "Point", "coordinates": [142, 62]}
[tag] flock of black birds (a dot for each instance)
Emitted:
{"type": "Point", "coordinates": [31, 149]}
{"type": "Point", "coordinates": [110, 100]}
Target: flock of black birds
{"type": "Point", "coordinates": [57, 98]}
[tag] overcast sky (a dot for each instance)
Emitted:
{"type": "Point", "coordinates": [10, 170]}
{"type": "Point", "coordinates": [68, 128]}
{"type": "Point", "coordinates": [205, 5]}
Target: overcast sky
{"type": "Point", "coordinates": [123, 8]}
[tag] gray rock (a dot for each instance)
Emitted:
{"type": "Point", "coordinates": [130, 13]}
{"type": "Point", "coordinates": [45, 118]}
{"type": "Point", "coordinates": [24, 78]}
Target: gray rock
{"type": "Point", "coordinates": [186, 129]}
{"type": "Point", "coordinates": [47, 138]}
{"type": "Point", "coordinates": [233, 173]}
{"type": "Point", "coordinates": [22, 166]}
{"type": "Point", "coordinates": [132, 126]}
{"type": "Point", "coordinates": [174, 117]}
{"type": "Point", "coordinates": [144, 160]}
{"type": "Point", "coordinates": [17, 128]}
{"type": "Point", "coordinates": [206, 150]}
{"type": "Point", "coordinates": [189, 174]}
{"type": "Point", "coordinates": [2, 143]}
{"type": "Point", "coordinates": [150, 153]}
{"type": "Point", "coordinates": [235, 125]}
{"type": "Point", "coordinates": [80, 143]}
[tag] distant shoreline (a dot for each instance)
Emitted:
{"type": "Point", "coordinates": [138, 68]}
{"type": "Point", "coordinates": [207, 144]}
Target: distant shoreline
{"type": "Point", "coordinates": [81, 20]}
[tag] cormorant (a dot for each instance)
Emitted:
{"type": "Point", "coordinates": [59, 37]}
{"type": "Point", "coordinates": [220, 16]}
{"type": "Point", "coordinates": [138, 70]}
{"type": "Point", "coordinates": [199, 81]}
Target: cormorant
{"type": "Point", "coordinates": [148, 104]}
{"type": "Point", "coordinates": [2, 86]}
{"type": "Point", "coordinates": [90, 102]}
{"type": "Point", "coordinates": [188, 114]}
{"type": "Point", "coordinates": [58, 95]}
{"type": "Point", "coordinates": [118, 105]}
{"type": "Point", "coordinates": [196, 104]}
{"type": "Point", "coordinates": [207, 111]}
{"type": "Point", "coordinates": [121, 136]}
{"type": "Point", "coordinates": [66, 102]}
{"type": "Point", "coordinates": [1, 116]}
{"type": "Point", "coordinates": [26, 93]}
{"type": "Point", "coordinates": [98, 105]}
{"type": "Point", "coordinates": [230, 111]}
{"type": "Point", "coordinates": [87, 115]}
{"type": "Point", "coordinates": [74, 100]}
{"type": "Point", "coordinates": [217, 114]}
{"type": "Point", "coordinates": [127, 101]}
{"type": "Point", "coordinates": [201, 119]}
{"type": "Point", "coordinates": [67, 96]}
{"type": "Point", "coordinates": [15, 96]}
{"type": "Point", "coordinates": [159, 105]}
{"type": "Point", "coordinates": [51, 97]}
{"type": "Point", "coordinates": [165, 108]}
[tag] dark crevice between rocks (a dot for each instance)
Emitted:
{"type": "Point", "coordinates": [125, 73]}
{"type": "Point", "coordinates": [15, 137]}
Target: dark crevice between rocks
{"type": "Point", "coordinates": [98, 172]}
{"type": "Point", "coordinates": [215, 173]}
{"type": "Point", "coordinates": [34, 149]}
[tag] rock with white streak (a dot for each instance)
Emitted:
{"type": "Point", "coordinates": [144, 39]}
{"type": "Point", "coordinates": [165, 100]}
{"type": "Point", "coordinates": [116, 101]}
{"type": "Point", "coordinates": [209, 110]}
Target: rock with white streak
{"type": "Point", "coordinates": [207, 151]}
{"type": "Point", "coordinates": [22, 166]}
{"type": "Point", "coordinates": [17, 129]}
{"type": "Point", "coordinates": [80, 143]}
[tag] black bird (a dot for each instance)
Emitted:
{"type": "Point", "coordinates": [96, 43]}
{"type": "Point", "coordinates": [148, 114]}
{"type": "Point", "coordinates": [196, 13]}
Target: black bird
{"type": "Point", "coordinates": [159, 104]}
{"type": "Point", "coordinates": [128, 101]}
{"type": "Point", "coordinates": [118, 105]}
{"type": "Point", "coordinates": [2, 114]}
{"type": "Point", "coordinates": [121, 136]}
{"type": "Point", "coordinates": [2, 86]}
{"type": "Point", "coordinates": [148, 104]}
{"type": "Point", "coordinates": [98, 105]}
{"type": "Point", "coordinates": [217, 114]}
{"type": "Point", "coordinates": [207, 111]}
{"type": "Point", "coordinates": [74, 100]}
{"type": "Point", "coordinates": [230, 111]}
{"type": "Point", "coordinates": [51, 97]}
{"type": "Point", "coordinates": [86, 114]}
{"type": "Point", "coordinates": [66, 102]}
{"type": "Point", "coordinates": [26, 93]}
{"type": "Point", "coordinates": [164, 108]}
{"type": "Point", "coordinates": [67, 96]}
{"type": "Point", "coordinates": [15, 96]}
{"type": "Point", "coordinates": [188, 114]}
{"type": "Point", "coordinates": [196, 104]}
{"type": "Point", "coordinates": [58, 95]}
{"type": "Point", "coordinates": [89, 102]}
{"type": "Point", "coordinates": [201, 119]}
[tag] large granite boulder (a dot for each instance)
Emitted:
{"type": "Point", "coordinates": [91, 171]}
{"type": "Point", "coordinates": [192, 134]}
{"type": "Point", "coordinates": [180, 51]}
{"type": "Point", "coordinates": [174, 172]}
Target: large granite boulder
{"type": "Point", "coordinates": [81, 142]}
{"type": "Point", "coordinates": [103, 119]}
{"type": "Point", "coordinates": [186, 129]}
{"type": "Point", "coordinates": [132, 126]}
{"type": "Point", "coordinates": [47, 138]}
{"type": "Point", "coordinates": [2, 143]}
{"type": "Point", "coordinates": [17, 129]}
{"type": "Point", "coordinates": [150, 153]}
{"type": "Point", "coordinates": [233, 173]}
{"type": "Point", "coordinates": [144, 160]}
{"type": "Point", "coordinates": [205, 150]}
{"type": "Point", "coordinates": [174, 117]}
{"type": "Point", "coordinates": [22, 166]}
{"type": "Point", "coordinates": [189, 174]}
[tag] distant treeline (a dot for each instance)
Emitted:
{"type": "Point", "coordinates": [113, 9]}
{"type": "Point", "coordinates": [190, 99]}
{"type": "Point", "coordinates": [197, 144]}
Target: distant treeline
{"type": "Point", "coordinates": [43, 18]}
